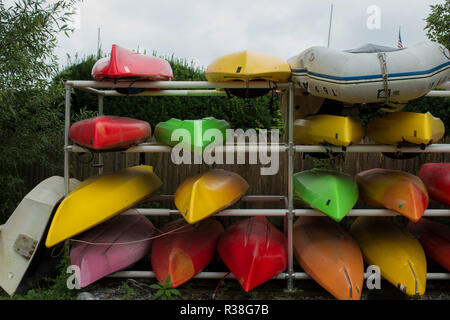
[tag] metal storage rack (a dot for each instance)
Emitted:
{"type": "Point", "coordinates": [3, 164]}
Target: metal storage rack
{"type": "Point", "coordinates": [196, 88]}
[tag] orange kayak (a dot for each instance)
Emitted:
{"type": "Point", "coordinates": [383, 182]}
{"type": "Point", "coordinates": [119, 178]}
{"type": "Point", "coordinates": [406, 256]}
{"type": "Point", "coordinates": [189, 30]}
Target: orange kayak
{"type": "Point", "coordinates": [330, 256]}
{"type": "Point", "coordinates": [400, 191]}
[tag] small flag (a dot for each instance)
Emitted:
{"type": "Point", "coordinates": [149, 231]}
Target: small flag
{"type": "Point", "coordinates": [399, 44]}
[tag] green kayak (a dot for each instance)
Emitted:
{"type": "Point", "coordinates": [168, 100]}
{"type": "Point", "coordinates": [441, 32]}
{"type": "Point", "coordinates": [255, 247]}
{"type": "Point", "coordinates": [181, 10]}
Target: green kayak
{"type": "Point", "coordinates": [331, 192]}
{"type": "Point", "coordinates": [195, 131]}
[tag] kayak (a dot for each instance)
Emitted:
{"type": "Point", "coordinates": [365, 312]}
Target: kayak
{"type": "Point", "coordinates": [436, 177]}
{"type": "Point", "coordinates": [406, 128]}
{"type": "Point", "coordinates": [330, 256]}
{"type": "Point", "coordinates": [254, 251]}
{"type": "Point", "coordinates": [21, 235]}
{"type": "Point", "coordinates": [109, 133]}
{"type": "Point", "coordinates": [399, 256]}
{"type": "Point", "coordinates": [331, 192]}
{"type": "Point", "coordinates": [328, 130]}
{"type": "Point", "coordinates": [372, 74]}
{"type": "Point", "coordinates": [100, 198]}
{"type": "Point", "coordinates": [111, 246]}
{"type": "Point", "coordinates": [185, 252]}
{"type": "Point", "coordinates": [126, 64]}
{"type": "Point", "coordinates": [435, 240]}
{"type": "Point", "coordinates": [400, 191]}
{"type": "Point", "coordinates": [201, 195]}
{"type": "Point", "coordinates": [248, 66]}
{"type": "Point", "coordinates": [191, 134]}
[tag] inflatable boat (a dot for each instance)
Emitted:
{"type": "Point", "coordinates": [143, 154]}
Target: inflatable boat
{"type": "Point", "coordinates": [372, 74]}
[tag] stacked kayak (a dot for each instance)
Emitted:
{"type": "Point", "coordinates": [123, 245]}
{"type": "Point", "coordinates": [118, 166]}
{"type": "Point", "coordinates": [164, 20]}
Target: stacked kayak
{"type": "Point", "coordinates": [201, 195]}
{"type": "Point", "coordinates": [193, 135]}
{"type": "Point", "coordinates": [126, 64]}
{"type": "Point", "coordinates": [435, 240]}
{"type": "Point", "coordinates": [372, 74]}
{"type": "Point", "coordinates": [436, 177]}
{"type": "Point", "coordinates": [100, 198]}
{"type": "Point", "coordinates": [184, 250]}
{"type": "Point", "coordinates": [112, 246]}
{"type": "Point", "coordinates": [330, 256]}
{"type": "Point", "coordinates": [406, 128]}
{"type": "Point", "coordinates": [396, 190]}
{"type": "Point", "coordinates": [248, 66]}
{"type": "Point", "coordinates": [109, 133]}
{"type": "Point", "coordinates": [21, 236]}
{"type": "Point", "coordinates": [399, 256]}
{"type": "Point", "coordinates": [331, 192]}
{"type": "Point", "coordinates": [328, 130]}
{"type": "Point", "coordinates": [254, 251]}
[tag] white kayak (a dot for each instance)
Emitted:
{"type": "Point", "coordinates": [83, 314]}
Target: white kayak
{"type": "Point", "coordinates": [372, 74]}
{"type": "Point", "coordinates": [21, 235]}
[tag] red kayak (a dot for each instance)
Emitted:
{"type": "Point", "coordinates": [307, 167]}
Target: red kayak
{"type": "Point", "coordinates": [126, 64]}
{"type": "Point", "coordinates": [435, 240]}
{"type": "Point", "coordinates": [109, 133]}
{"type": "Point", "coordinates": [185, 252]}
{"type": "Point", "coordinates": [254, 251]}
{"type": "Point", "coordinates": [436, 177]}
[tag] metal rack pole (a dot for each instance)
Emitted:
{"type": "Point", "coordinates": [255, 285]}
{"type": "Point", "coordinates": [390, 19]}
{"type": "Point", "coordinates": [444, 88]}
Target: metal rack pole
{"type": "Point", "coordinates": [290, 284]}
{"type": "Point", "coordinates": [66, 142]}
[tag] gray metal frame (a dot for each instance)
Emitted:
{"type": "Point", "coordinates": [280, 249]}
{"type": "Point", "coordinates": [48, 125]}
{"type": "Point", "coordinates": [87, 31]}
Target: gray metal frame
{"type": "Point", "coordinates": [199, 88]}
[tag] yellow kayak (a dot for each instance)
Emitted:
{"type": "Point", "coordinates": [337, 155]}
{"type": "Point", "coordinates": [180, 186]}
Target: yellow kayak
{"type": "Point", "coordinates": [328, 129]}
{"type": "Point", "coordinates": [202, 195]}
{"type": "Point", "coordinates": [99, 198]}
{"type": "Point", "coordinates": [247, 66]}
{"type": "Point", "coordinates": [406, 128]}
{"type": "Point", "coordinates": [400, 257]}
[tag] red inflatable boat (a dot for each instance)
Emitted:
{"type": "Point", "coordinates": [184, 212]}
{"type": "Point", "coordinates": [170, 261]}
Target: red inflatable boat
{"type": "Point", "coordinates": [436, 177]}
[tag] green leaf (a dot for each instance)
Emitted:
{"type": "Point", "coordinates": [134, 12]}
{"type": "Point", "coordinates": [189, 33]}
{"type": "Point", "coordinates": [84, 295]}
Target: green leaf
{"type": "Point", "coordinates": [155, 286]}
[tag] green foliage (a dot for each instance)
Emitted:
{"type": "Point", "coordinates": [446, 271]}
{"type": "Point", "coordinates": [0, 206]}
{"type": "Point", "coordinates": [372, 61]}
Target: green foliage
{"type": "Point", "coordinates": [30, 109]}
{"type": "Point", "coordinates": [240, 113]}
{"type": "Point", "coordinates": [438, 23]}
{"type": "Point", "coordinates": [164, 290]}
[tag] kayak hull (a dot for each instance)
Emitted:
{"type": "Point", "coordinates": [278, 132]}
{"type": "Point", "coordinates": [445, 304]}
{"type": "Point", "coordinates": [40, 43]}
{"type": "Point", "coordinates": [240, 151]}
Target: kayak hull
{"type": "Point", "coordinates": [248, 66]}
{"type": "Point", "coordinates": [331, 192]}
{"type": "Point", "coordinates": [22, 234]}
{"type": "Point", "coordinates": [436, 177]}
{"type": "Point", "coordinates": [191, 134]}
{"type": "Point", "coordinates": [435, 240]}
{"type": "Point", "coordinates": [99, 198]}
{"type": "Point", "coordinates": [396, 190]}
{"type": "Point", "coordinates": [328, 130]}
{"type": "Point", "coordinates": [184, 253]}
{"type": "Point", "coordinates": [254, 251]}
{"type": "Point", "coordinates": [406, 128]}
{"type": "Point", "coordinates": [330, 256]}
{"type": "Point", "coordinates": [109, 133]}
{"type": "Point", "coordinates": [112, 246]}
{"type": "Point", "coordinates": [125, 64]}
{"type": "Point", "coordinates": [202, 195]}
{"type": "Point", "coordinates": [399, 256]}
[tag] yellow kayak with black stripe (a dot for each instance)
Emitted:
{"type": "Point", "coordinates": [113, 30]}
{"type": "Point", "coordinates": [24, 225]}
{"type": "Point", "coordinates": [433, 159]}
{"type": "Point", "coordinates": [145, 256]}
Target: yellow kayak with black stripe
{"type": "Point", "coordinates": [202, 195]}
{"type": "Point", "coordinates": [100, 198]}
{"type": "Point", "coordinates": [247, 66]}
{"type": "Point", "coordinates": [406, 128]}
{"type": "Point", "coordinates": [394, 250]}
{"type": "Point", "coordinates": [328, 130]}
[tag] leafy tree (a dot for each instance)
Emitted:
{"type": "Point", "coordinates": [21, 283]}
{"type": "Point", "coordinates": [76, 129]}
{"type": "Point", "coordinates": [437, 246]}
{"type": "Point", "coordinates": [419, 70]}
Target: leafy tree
{"type": "Point", "coordinates": [30, 125]}
{"type": "Point", "coordinates": [438, 23]}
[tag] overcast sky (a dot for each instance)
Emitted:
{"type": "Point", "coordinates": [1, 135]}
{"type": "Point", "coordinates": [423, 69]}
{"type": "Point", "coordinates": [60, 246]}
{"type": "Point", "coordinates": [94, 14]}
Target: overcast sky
{"type": "Point", "coordinates": [202, 30]}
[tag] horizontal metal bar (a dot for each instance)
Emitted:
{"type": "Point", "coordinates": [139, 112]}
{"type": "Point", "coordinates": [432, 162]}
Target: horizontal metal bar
{"type": "Point", "coordinates": [444, 85]}
{"type": "Point", "coordinates": [221, 275]}
{"type": "Point", "coordinates": [283, 212]}
{"type": "Point", "coordinates": [155, 148]}
{"type": "Point", "coordinates": [253, 198]}
{"type": "Point", "coordinates": [363, 148]}
{"type": "Point", "coordinates": [172, 93]}
{"type": "Point", "coordinates": [174, 84]}
{"type": "Point", "coordinates": [94, 91]}
{"type": "Point", "coordinates": [439, 93]}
